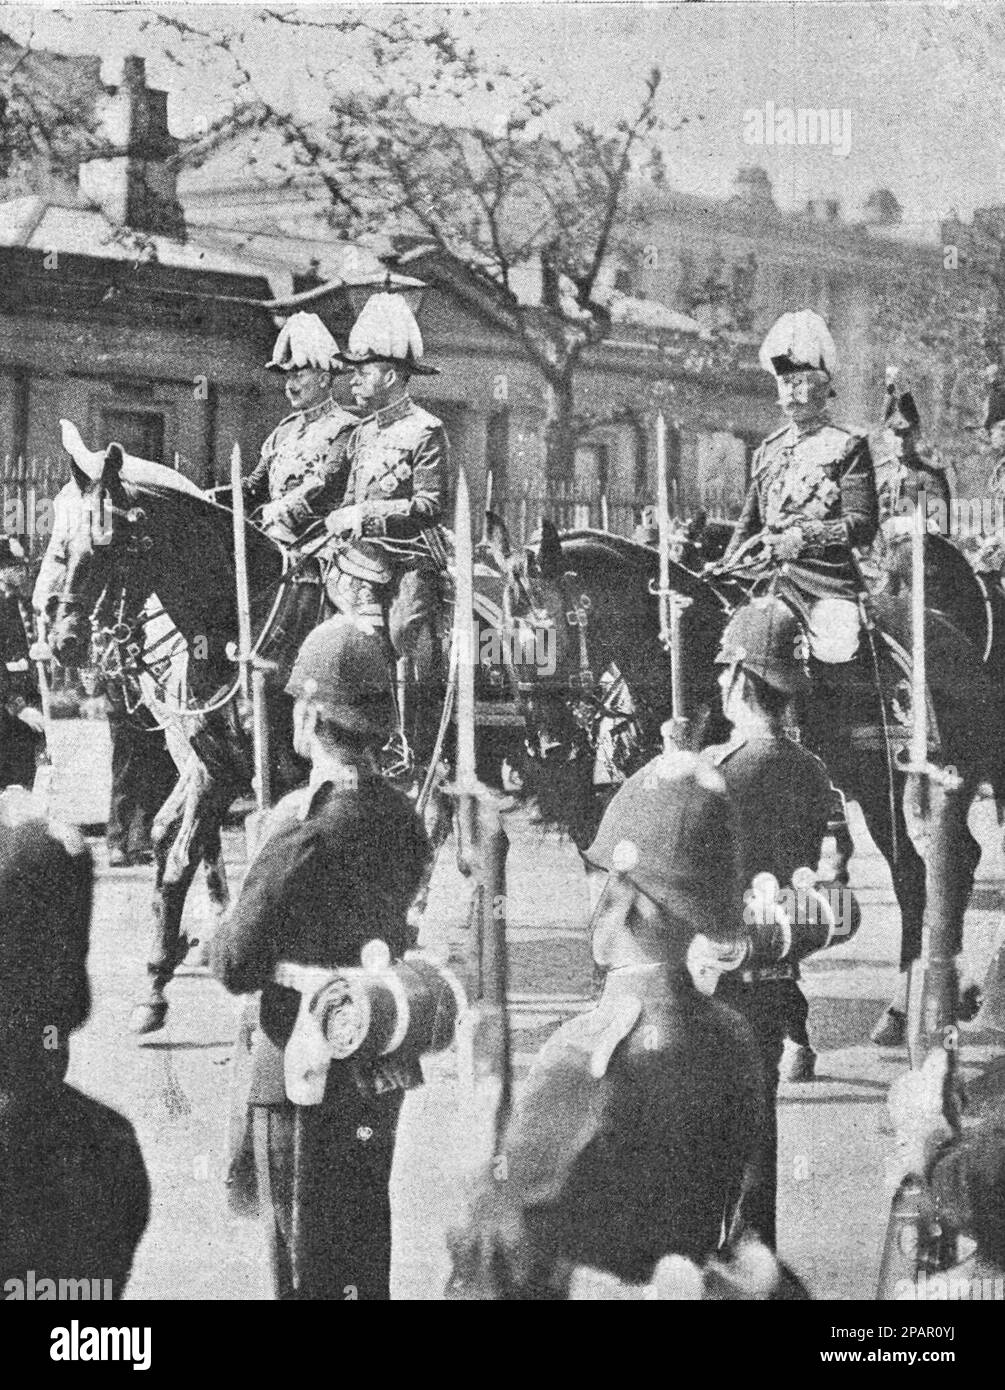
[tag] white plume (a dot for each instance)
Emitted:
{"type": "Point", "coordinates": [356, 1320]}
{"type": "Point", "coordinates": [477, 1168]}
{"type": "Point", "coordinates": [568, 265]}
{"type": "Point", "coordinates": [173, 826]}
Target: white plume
{"type": "Point", "coordinates": [386, 328]}
{"type": "Point", "coordinates": [304, 341]}
{"type": "Point", "coordinates": [804, 337]}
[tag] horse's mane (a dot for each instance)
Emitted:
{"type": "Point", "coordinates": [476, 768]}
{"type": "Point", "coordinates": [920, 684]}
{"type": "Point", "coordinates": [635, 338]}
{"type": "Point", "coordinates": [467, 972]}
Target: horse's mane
{"type": "Point", "coordinates": [629, 552]}
{"type": "Point", "coordinates": [641, 558]}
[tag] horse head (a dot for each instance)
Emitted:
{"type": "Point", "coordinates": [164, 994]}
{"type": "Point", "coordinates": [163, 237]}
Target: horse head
{"type": "Point", "coordinates": [103, 541]}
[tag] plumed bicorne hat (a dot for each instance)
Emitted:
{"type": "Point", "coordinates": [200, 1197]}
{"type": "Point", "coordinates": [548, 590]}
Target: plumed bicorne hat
{"type": "Point", "coordinates": [386, 331]}
{"type": "Point", "coordinates": [670, 831]}
{"type": "Point", "coordinates": [798, 342]}
{"type": "Point", "coordinates": [304, 341]}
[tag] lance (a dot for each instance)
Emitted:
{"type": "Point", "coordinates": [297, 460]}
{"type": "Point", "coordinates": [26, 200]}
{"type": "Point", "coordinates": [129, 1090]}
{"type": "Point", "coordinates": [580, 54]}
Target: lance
{"type": "Point", "coordinates": [677, 730]}
{"type": "Point", "coordinates": [483, 846]}
{"type": "Point", "coordinates": [252, 673]}
{"type": "Point", "coordinates": [915, 1240]}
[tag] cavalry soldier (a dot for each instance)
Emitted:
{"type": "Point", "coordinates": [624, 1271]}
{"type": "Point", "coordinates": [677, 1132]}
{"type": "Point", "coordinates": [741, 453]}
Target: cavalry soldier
{"type": "Point", "coordinates": [74, 1195]}
{"type": "Point", "coordinates": [391, 550]}
{"type": "Point", "coordinates": [641, 1120]}
{"type": "Point", "coordinates": [394, 498]}
{"type": "Point", "coordinates": [302, 471]}
{"type": "Point", "coordinates": [907, 473]}
{"type": "Point", "coordinates": [340, 869]}
{"type": "Point", "coordinates": [784, 801]}
{"type": "Point", "coordinates": [22, 729]}
{"type": "Point", "coordinates": [812, 496]}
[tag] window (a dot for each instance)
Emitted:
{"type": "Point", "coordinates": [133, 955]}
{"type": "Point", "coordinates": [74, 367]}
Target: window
{"type": "Point", "coordinates": [140, 432]}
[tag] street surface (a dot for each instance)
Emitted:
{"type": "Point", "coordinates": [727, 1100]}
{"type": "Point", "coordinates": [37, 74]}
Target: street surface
{"type": "Point", "coordinates": [173, 1086]}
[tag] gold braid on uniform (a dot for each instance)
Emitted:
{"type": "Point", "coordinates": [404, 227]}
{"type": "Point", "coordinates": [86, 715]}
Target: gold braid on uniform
{"type": "Point", "coordinates": [818, 535]}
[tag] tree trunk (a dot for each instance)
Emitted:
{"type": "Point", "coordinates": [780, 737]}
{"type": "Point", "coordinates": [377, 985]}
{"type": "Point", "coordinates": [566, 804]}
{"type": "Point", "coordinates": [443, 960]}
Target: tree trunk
{"type": "Point", "coordinates": [560, 426]}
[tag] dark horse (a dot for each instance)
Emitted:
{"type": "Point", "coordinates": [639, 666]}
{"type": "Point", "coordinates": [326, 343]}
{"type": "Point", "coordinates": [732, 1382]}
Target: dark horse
{"type": "Point", "coordinates": [853, 730]}
{"type": "Point", "coordinates": [146, 531]}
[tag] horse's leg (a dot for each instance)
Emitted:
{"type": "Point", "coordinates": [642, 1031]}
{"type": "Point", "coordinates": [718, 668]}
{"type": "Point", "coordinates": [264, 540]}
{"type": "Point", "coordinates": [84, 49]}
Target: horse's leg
{"type": "Point", "coordinates": [188, 823]}
{"type": "Point", "coordinates": [218, 891]}
{"type": "Point", "coordinates": [908, 872]}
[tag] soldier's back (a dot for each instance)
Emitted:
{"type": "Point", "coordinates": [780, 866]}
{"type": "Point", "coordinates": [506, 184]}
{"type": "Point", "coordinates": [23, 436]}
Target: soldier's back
{"type": "Point", "coordinates": [674, 1121]}
{"type": "Point", "coordinates": [74, 1194]}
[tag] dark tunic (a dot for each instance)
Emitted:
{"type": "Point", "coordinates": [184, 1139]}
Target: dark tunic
{"type": "Point", "coordinates": [824, 483]}
{"type": "Point", "coordinates": [320, 888]}
{"type": "Point", "coordinates": [783, 799]}
{"type": "Point", "coordinates": [74, 1195]}
{"type": "Point", "coordinates": [647, 1158]}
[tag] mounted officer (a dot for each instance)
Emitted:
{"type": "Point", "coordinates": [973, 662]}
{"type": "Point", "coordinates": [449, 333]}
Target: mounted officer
{"type": "Point", "coordinates": [339, 870]}
{"type": "Point", "coordinates": [390, 514]}
{"type": "Point", "coordinates": [812, 497]}
{"type": "Point", "coordinates": [302, 472]}
{"type": "Point", "coordinates": [391, 547]}
{"type": "Point", "coordinates": [907, 474]}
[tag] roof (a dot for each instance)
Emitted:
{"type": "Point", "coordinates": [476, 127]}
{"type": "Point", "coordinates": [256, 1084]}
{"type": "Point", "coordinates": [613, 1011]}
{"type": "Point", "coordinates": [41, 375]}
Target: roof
{"type": "Point", "coordinates": [40, 224]}
{"type": "Point", "coordinates": [280, 257]}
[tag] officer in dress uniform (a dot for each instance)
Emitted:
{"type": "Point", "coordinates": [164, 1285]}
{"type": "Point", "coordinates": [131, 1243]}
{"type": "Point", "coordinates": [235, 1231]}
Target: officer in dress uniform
{"type": "Point", "coordinates": [22, 730]}
{"type": "Point", "coordinates": [339, 870]}
{"type": "Point", "coordinates": [812, 496]}
{"type": "Point", "coordinates": [390, 515]}
{"type": "Point", "coordinates": [784, 803]}
{"type": "Point", "coordinates": [641, 1120]}
{"type": "Point", "coordinates": [74, 1195]}
{"type": "Point", "coordinates": [907, 473]}
{"type": "Point", "coordinates": [301, 474]}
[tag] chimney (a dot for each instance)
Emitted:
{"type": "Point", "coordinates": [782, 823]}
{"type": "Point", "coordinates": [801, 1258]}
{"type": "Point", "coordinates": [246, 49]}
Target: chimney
{"type": "Point", "coordinates": [753, 187]}
{"type": "Point", "coordinates": [128, 177]}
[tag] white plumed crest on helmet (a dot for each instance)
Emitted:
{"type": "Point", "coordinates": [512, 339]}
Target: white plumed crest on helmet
{"type": "Point", "coordinates": [386, 328]}
{"type": "Point", "coordinates": [304, 341]}
{"type": "Point", "coordinates": [804, 337]}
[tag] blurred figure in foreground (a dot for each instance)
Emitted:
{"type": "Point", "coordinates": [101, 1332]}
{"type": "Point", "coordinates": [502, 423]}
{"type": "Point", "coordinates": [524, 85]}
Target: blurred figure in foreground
{"type": "Point", "coordinates": [74, 1195]}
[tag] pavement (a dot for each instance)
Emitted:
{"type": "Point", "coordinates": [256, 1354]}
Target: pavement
{"type": "Point", "coordinates": [834, 1139]}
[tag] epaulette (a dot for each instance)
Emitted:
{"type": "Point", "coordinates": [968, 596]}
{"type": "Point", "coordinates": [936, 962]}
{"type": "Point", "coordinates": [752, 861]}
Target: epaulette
{"type": "Point", "coordinates": [421, 417]}
{"type": "Point", "coordinates": [596, 1034]}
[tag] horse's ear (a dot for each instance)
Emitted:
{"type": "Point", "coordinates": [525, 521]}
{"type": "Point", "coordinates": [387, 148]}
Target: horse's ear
{"type": "Point", "coordinates": [497, 535]}
{"type": "Point", "coordinates": [85, 463]}
{"type": "Point", "coordinates": [114, 459]}
{"type": "Point", "coordinates": [549, 552]}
